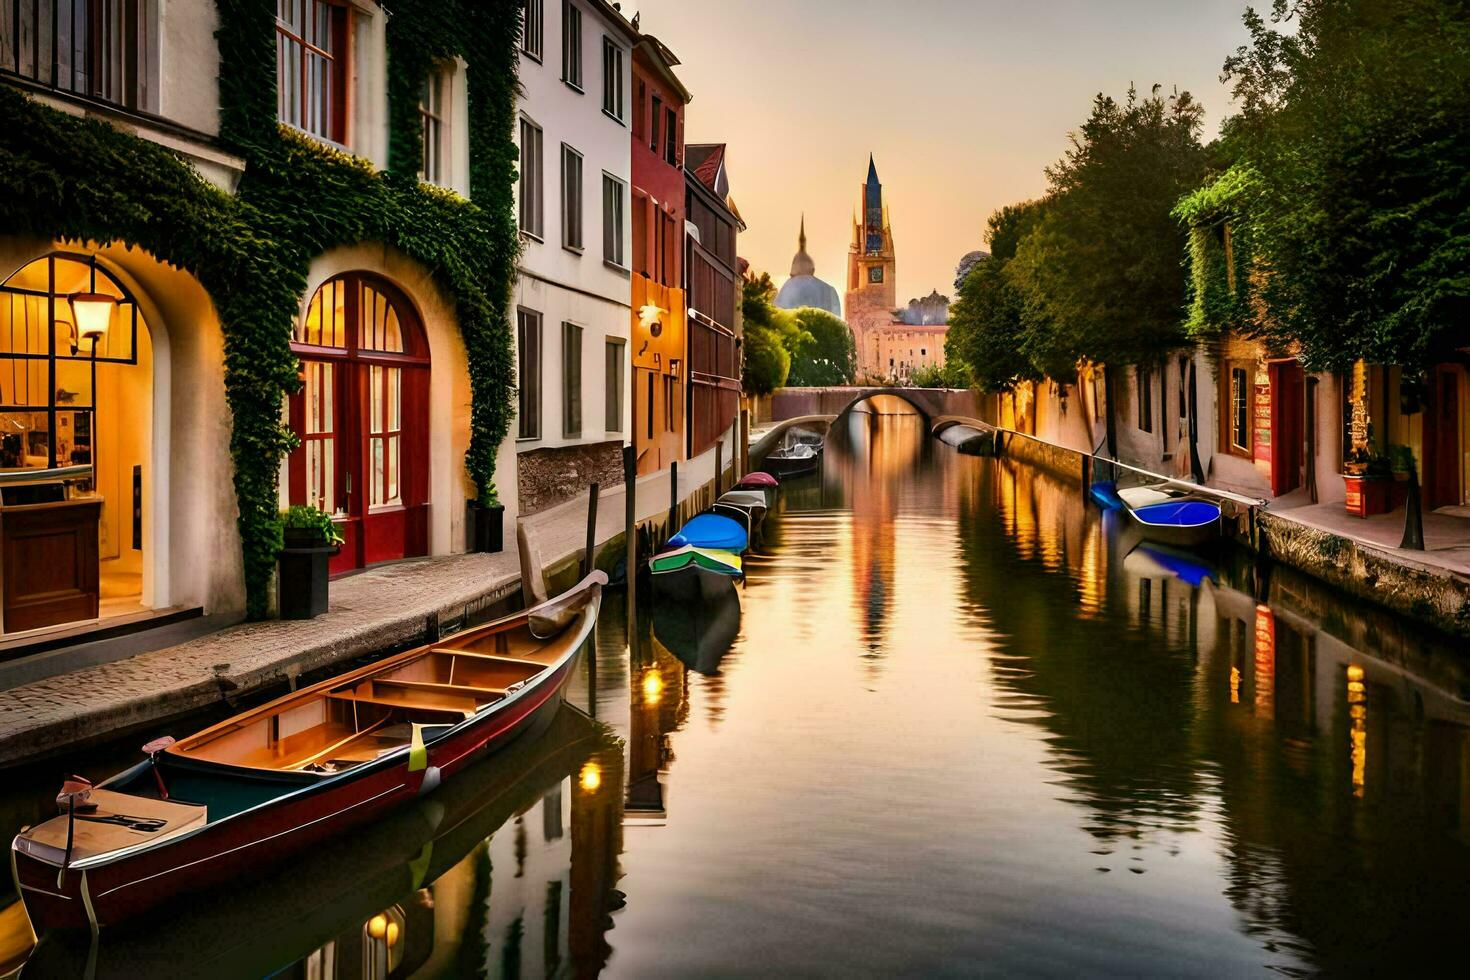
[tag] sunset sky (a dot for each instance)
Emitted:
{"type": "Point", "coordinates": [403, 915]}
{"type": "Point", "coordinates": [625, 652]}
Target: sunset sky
{"type": "Point", "coordinates": [961, 102]}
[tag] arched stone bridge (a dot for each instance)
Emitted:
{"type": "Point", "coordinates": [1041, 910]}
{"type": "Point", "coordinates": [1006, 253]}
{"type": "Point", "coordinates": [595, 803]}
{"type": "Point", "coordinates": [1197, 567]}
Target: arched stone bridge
{"type": "Point", "coordinates": [931, 403]}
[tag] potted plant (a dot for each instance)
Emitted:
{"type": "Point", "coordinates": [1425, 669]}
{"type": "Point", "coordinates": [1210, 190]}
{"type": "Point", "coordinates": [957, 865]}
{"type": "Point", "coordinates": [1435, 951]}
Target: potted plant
{"type": "Point", "coordinates": [486, 522]}
{"type": "Point", "coordinates": [311, 539]}
{"type": "Point", "coordinates": [1367, 477]}
{"type": "Point", "coordinates": [1401, 463]}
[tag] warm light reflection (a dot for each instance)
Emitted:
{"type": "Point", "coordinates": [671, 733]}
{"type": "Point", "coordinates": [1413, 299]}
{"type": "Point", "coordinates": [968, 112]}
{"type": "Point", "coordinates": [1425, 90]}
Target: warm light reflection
{"type": "Point", "coordinates": [1234, 685]}
{"type": "Point", "coordinates": [1358, 713]}
{"type": "Point", "coordinates": [378, 926]}
{"type": "Point", "coordinates": [1265, 662]}
{"type": "Point", "coordinates": [590, 778]}
{"type": "Point", "coordinates": [653, 686]}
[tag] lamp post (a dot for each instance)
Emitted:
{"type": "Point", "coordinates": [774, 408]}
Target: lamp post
{"type": "Point", "coordinates": [92, 313]}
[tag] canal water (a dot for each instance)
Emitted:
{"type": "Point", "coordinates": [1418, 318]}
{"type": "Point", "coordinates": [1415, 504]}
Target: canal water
{"type": "Point", "coordinates": [958, 722]}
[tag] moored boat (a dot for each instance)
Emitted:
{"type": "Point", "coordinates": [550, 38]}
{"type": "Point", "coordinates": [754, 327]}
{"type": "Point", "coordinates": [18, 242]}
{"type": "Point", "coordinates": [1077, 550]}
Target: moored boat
{"type": "Point", "coordinates": [693, 574]}
{"type": "Point", "coordinates": [271, 781]}
{"type": "Point", "coordinates": [1184, 522]}
{"type": "Point", "coordinates": [750, 503]}
{"type": "Point", "coordinates": [792, 461]}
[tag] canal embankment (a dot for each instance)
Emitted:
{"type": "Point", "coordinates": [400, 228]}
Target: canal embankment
{"type": "Point", "coordinates": [1430, 586]}
{"type": "Point", "coordinates": [386, 608]}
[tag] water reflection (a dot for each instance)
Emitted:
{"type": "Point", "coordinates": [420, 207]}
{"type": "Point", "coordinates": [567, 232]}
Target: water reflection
{"type": "Point", "coordinates": [957, 722]}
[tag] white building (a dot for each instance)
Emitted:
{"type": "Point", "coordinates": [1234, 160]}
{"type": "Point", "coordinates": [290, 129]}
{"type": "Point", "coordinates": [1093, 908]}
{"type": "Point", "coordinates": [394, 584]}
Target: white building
{"type": "Point", "coordinates": [574, 291]}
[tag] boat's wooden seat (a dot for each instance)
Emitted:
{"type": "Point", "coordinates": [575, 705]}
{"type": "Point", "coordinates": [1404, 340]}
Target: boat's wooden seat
{"type": "Point", "coordinates": [425, 703]}
{"type": "Point", "coordinates": [483, 695]}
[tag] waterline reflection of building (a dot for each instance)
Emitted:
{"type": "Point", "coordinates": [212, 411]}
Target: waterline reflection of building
{"type": "Point", "coordinates": [1324, 749]}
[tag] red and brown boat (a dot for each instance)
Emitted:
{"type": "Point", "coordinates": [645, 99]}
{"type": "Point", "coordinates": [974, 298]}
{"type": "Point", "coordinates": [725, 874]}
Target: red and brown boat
{"type": "Point", "coordinates": [267, 783]}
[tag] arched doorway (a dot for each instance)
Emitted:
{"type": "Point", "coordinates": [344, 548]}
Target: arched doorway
{"type": "Point", "coordinates": [362, 418]}
{"type": "Point", "coordinates": [76, 443]}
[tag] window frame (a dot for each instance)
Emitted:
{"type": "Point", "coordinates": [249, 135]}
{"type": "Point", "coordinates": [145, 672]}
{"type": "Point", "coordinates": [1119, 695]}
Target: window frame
{"type": "Point", "coordinates": [614, 101]}
{"type": "Point", "coordinates": [614, 352]}
{"type": "Point", "coordinates": [531, 192]}
{"type": "Point", "coordinates": [614, 224]}
{"type": "Point", "coordinates": [571, 46]}
{"type": "Point", "coordinates": [1244, 394]}
{"type": "Point", "coordinates": [437, 85]}
{"type": "Point", "coordinates": [529, 377]}
{"type": "Point", "coordinates": [655, 118]}
{"type": "Point", "coordinates": [122, 73]}
{"type": "Point", "coordinates": [1144, 380]}
{"type": "Point", "coordinates": [533, 29]}
{"type": "Point", "coordinates": [573, 224]}
{"type": "Point", "coordinates": [571, 379]}
{"type": "Point", "coordinates": [339, 74]}
{"type": "Point", "coordinates": [671, 136]}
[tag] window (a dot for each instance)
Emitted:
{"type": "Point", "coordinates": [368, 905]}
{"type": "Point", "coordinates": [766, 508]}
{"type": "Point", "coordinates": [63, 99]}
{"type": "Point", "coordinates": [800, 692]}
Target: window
{"type": "Point", "coordinates": [571, 380]}
{"type": "Point", "coordinates": [1240, 410]}
{"type": "Point", "coordinates": [613, 389]}
{"type": "Point", "coordinates": [1145, 378]}
{"type": "Point", "coordinates": [612, 79]}
{"type": "Point", "coordinates": [571, 44]}
{"type": "Point", "coordinates": [311, 70]}
{"type": "Point", "coordinates": [671, 401]}
{"type": "Point", "coordinates": [431, 111]}
{"type": "Point", "coordinates": [532, 202]}
{"type": "Point", "coordinates": [648, 415]}
{"type": "Point", "coordinates": [653, 119]}
{"type": "Point", "coordinates": [47, 375]}
{"type": "Point", "coordinates": [534, 29]}
{"type": "Point", "coordinates": [100, 49]}
{"type": "Point", "coordinates": [875, 274]}
{"type": "Point", "coordinates": [571, 198]}
{"type": "Point", "coordinates": [612, 220]}
{"type": "Point", "coordinates": [671, 137]}
{"type": "Point", "coordinates": [528, 376]}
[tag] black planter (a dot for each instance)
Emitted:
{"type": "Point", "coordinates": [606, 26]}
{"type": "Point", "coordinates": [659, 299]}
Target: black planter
{"type": "Point", "coordinates": [487, 527]}
{"type": "Point", "coordinates": [302, 580]}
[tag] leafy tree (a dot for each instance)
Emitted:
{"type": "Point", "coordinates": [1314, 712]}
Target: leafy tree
{"type": "Point", "coordinates": [987, 320]}
{"type": "Point", "coordinates": [1100, 272]}
{"type": "Point", "coordinates": [1353, 142]}
{"type": "Point", "coordinates": [770, 336]}
{"type": "Point", "coordinates": [827, 355]}
{"type": "Point", "coordinates": [953, 374]}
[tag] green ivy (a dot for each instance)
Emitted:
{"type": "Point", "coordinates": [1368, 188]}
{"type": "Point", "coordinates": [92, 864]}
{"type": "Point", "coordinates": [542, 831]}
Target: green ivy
{"type": "Point", "coordinates": [70, 178]}
{"type": "Point", "coordinates": [1219, 297]}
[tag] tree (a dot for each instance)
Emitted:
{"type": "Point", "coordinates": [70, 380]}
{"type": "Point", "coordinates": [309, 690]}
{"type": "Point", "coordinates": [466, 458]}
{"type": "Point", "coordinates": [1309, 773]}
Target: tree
{"type": "Point", "coordinates": [1100, 272]}
{"type": "Point", "coordinates": [1353, 138]}
{"type": "Point", "coordinates": [987, 320]}
{"type": "Point", "coordinates": [770, 335]}
{"type": "Point", "coordinates": [828, 356]}
{"type": "Point", "coordinates": [953, 374]}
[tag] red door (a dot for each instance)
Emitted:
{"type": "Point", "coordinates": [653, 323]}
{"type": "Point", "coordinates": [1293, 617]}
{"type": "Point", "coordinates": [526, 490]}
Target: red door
{"type": "Point", "coordinates": [362, 420]}
{"type": "Point", "coordinates": [1288, 404]}
{"type": "Point", "coordinates": [1442, 441]}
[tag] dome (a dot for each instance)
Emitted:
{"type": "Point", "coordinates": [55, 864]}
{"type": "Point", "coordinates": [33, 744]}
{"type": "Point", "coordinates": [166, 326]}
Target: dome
{"type": "Point", "coordinates": [799, 291]}
{"type": "Point", "coordinates": [804, 288]}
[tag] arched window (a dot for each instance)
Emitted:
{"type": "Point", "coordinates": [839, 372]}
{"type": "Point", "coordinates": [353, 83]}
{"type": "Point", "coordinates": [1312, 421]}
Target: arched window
{"type": "Point", "coordinates": [362, 418]}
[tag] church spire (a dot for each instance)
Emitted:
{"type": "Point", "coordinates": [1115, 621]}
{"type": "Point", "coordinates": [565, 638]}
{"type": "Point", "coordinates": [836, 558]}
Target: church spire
{"type": "Point", "coordinates": [802, 264]}
{"type": "Point", "coordinates": [872, 172]}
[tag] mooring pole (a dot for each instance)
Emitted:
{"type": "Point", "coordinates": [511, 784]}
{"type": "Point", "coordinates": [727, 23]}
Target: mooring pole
{"type": "Point", "coordinates": [719, 466]}
{"type": "Point", "coordinates": [673, 497]}
{"type": "Point", "coordinates": [590, 554]}
{"type": "Point", "coordinates": [744, 441]}
{"type": "Point", "coordinates": [630, 531]}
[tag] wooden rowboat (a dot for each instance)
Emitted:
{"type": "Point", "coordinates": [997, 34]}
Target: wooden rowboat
{"type": "Point", "coordinates": [279, 778]}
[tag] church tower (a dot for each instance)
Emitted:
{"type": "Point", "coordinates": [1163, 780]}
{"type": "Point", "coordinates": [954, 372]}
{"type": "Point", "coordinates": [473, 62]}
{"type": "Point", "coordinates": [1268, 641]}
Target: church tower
{"type": "Point", "coordinates": [872, 293]}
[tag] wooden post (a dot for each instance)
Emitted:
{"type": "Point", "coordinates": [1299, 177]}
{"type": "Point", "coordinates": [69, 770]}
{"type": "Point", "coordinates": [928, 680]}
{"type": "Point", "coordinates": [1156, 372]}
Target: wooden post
{"type": "Point", "coordinates": [673, 497]}
{"type": "Point", "coordinates": [1086, 474]}
{"type": "Point", "coordinates": [589, 556]}
{"type": "Point", "coordinates": [719, 466]}
{"type": "Point", "coordinates": [630, 530]}
{"type": "Point", "coordinates": [744, 441]}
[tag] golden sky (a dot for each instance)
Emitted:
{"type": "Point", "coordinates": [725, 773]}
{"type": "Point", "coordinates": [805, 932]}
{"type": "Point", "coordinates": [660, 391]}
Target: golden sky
{"type": "Point", "coordinates": [961, 102]}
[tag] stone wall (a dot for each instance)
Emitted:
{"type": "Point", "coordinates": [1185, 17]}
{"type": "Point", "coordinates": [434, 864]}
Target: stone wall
{"type": "Point", "coordinates": [549, 476]}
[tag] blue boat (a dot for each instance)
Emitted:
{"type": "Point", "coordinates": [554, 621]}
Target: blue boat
{"type": "Point", "coordinates": [1187, 522]}
{"type": "Point", "coordinates": [712, 531]}
{"type": "Point", "coordinates": [1105, 495]}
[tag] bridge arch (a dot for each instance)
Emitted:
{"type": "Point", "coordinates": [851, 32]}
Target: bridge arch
{"type": "Point", "coordinates": [918, 398]}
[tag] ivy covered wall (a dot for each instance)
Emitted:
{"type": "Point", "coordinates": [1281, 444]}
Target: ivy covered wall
{"type": "Point", "coordinates": [70, 178]}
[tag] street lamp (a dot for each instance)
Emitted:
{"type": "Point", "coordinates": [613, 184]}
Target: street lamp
{"type": "Point", "coordinates": [92, 313]}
